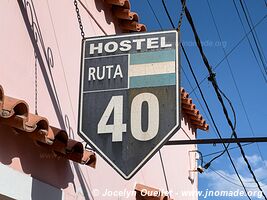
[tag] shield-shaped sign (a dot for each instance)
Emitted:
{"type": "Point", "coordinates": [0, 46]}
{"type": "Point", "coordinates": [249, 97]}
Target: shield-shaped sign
{"type": "Point", "coordinates": [129, 96]}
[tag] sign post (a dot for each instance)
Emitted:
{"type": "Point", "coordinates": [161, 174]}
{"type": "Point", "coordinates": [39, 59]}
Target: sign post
{"type": "Point", "coordinates": [129, 96]}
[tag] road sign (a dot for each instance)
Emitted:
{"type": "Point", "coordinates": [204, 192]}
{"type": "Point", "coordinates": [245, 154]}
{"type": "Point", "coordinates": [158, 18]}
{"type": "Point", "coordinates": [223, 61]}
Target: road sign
{"type": "Point", "coordinates": [129, 96]}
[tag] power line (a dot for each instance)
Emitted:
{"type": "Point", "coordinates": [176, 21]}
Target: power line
{"type": "Point", "coordinates": [231, 180]}
{"type": "Point", "coordinates": [232, 75]}
{"type": "Point", "coordinates": [231, 148]}
{"type": "Point", "coordinates": [234, 48]}
{"type": "Point", "coordinates": [254, 37]}
{"type": "Point", "coordinates": [164, 173]}
{"type": "Point", "coordinates": [213, 121]}
{"type": "Point", "coordinates": [250, 45]}
{"type": "Point", "coordinates": [168, 14]}
{"type": "Point", "coordinates": [198, 86]}
{"type": "Point", "coordinates": [154, 14]}
{"type": "Point", "coordinates": [212, 78]}
{"type": "Point", "coordinates": [255, 32]}
{"type": "Point", "coordinates": [198, 100]}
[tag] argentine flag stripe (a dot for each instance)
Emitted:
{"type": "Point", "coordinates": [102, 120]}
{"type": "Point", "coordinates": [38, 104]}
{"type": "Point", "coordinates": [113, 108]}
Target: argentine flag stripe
{"type": "Point", "coordinates": [152, 57]}
{"type": "Point", "coordinates": [151, 69]}
{"type": "Point", "coordinates": [153, 80]}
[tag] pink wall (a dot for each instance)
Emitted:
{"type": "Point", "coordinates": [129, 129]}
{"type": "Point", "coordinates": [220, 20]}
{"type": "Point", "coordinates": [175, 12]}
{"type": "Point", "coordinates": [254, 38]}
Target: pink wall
{"type": "Point", "coordinates": [58, 88]}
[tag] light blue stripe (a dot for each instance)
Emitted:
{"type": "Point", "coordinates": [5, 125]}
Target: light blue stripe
{"type": "Point", "coordinates": [152, 57]}
{"type": "Point", "coordinates": [153, 80]}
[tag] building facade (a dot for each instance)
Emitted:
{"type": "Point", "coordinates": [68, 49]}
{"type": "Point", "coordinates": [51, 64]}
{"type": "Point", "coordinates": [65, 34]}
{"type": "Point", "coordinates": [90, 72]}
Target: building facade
{"type": "Point", "coordinates": [41, 154]}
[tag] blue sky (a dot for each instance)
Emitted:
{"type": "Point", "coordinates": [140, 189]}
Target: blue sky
{"type": "Point", "coordinates": [245, 70]}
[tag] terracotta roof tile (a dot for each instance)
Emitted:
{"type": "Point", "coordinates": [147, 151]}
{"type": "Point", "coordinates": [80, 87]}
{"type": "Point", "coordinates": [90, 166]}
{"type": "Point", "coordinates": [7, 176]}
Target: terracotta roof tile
{"type": "Point", "coordinates": [144, 192]}
{"type": "Point", "coordinates": [15, 113]}
{"type": "Point", "coordinates": [128, 21]}
{"type": "Point", "coordinates": [189, 109]}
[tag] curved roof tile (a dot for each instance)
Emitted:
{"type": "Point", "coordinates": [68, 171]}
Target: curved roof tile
{"type": "Point", "coordinates": [15, 113]}
{"type": "Point", "coordinates": [189, 109]}
{"type": "Point", "coordinates": [144, 192]}
{"type": "Point", "coordinates": [128, 21]}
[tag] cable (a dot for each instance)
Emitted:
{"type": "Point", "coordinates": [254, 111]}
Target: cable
{"type": "Point", "coordinates": [168, 14]}
{"type": "Point", "coordinates": [164, 173]}
{"type": "Point", "coordinates": [181, 15]}
{"type": "Point", "coordinates": [250, 45]}
{"type": "Point", "coordinates": [231, 180]}
{"type": "Point", "coordinates": [154, 14]}
{"type": "Point", "coordinates": [255, 32]}
{"type": "Point", "coordinates": [215, 86]}
{"type": "Point", "coordinates": [231, 160]}
{"type": "Point", "coordinates": [232, 50]}
{"type": "Point", "coordinates": [198, 100]}
{"type": "Point", "coordinates": [191, 69]}
{"type": "Point", "coordinates": [217, 152]}
{"type": "Point", "coordinates": [254, 37]}
{"type": "Point", "coordinates": [232, 75]}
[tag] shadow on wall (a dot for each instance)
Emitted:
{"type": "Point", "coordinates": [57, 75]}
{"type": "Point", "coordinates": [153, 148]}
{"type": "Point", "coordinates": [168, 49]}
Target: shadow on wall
{"type": "Point", "coordinates": [41, 163]}
{"type": "Point", "coordinates": [58, 169]}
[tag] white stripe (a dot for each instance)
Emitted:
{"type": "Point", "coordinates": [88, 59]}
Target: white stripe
{"type": "Point", "coordinates": [151, 69]}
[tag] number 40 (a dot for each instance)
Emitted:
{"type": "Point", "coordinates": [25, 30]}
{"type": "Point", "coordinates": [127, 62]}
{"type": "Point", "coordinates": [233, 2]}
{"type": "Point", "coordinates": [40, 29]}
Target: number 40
{"type": "Point", "coordinates": [117, 128]}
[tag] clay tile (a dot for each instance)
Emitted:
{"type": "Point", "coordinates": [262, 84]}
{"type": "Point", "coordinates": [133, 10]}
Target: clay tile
{"type": "Point", "coordinates": [206, 127]}
{"type": "Point", "coordinates": [12, 106]}
{"type": "Point", "coordinates": [74, 147]}
{"type": "Point", "coordinates": [130, 25]}
{"type": "Point", "coordinates": [60, 140]}
{"type": "Point", "coordinates": [198, 122]}
{"type": "Point", "coordinates": [116, 2]}
{"type": "Point", "coordinates": [194, 112]}
{"type": "Point", "coordinates": [89, 158]}
{"type": "Point", "coordinates": [36, 122]}
{"type": "Point", "coordinates": [196, 118]}
{"type": "Point", "coordinates": [152, 193]}
{"type": "Point", "coordinates": [184, 95]}
{"type": "Point", "coordinates": [60, 135]}
{"type": "Point", "coordinates": [141, 27]}
{"type": "Point", "coordinates": [188, 106]}
{"type": "Point", "coordinates": [134, 16]}
{"type": "Point", "coordinates": [187, 100]}
{"type": "Point", "coordinates": [127, 4]}
{"type": "Point", "coordinates": [123, 13]}
{"type": "Point", "coordinates": [36, 128]}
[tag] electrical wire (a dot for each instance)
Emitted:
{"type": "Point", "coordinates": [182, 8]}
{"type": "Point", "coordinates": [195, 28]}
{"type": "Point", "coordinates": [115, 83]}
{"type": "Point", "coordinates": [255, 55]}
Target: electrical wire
{"type": "Point", "coordinates": [250, 45]}
{"type": "Point", "coordinates": [232, 75]}
{"type": "Point", "coordinates": [164, 173]}
{"type": "Point", "coordinates": [213, 121]}
{"type": "Point", "coordinates": [232, 180]}
{"type": "Point", "coordinates": [191, 69]}
{"type": "Point", "coordinates": [168, 14]}
{"type": "Point", "coordinates": [215, 126]}
{"type": "Point", "coordinates": [255, 32]}
{"type": "Point", "coordinates": [231, 148]}
{"type": "Point", "coordinates": [233, 49]}
{"type": "Point", "coordinates": [212, 79]}
{"type": "Point", "coordinates": [198, 100]}
{"type": "Point", "coordinates": [154, 14]}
